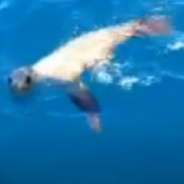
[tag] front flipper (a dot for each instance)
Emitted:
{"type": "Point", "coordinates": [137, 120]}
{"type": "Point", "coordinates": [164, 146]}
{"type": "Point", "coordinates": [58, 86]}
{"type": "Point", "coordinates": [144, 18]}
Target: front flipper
{"type": "Point", "coordinates": [86, 102]}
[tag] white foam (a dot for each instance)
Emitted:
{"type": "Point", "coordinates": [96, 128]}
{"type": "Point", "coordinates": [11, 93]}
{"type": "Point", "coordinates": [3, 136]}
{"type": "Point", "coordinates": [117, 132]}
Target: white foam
{"type": "Point", "coordinates": [123, 75]}
{"type": "Point", "coordinates": [177, 43]}
{"type": "Point", "coordinates": [127, 78]}
{"type": "Point", "coordinates": [128, 74]}
{"type": "Point", "coordinates": [176, 46]}
{"type": "Point", "coordinates": [128, 82]}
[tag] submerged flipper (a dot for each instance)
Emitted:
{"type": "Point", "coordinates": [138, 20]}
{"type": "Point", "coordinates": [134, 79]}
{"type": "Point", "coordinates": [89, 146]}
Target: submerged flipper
{"type": "Point", "coordinates": [86, 102]}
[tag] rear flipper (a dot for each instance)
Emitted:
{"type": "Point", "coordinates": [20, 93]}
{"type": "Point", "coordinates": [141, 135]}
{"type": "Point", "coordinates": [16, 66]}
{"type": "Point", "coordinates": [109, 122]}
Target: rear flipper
{"type": "Point", "coordinates": [86, 102]}
{"type": "Point", "coordinates": [153, 26]}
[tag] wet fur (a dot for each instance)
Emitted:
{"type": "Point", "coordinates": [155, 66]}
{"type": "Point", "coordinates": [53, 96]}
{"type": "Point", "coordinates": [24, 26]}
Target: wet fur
{"type": "Point", "coordinates": [68, 62]}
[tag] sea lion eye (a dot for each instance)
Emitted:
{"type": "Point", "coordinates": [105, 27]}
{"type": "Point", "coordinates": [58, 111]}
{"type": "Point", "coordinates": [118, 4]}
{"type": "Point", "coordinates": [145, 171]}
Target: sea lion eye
{"type": "Point", "coordinates": [28, 80]}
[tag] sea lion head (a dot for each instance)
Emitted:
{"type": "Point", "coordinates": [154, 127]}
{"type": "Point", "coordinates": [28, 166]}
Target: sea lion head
{"type": "Point", "coordinates": [21, 79]}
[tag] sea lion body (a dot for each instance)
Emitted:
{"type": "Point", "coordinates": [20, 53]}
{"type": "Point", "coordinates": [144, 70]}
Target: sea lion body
{"type": "Point", "coordinates": [84, 52]}
{"type": "Point", "coordinates": [68, 62]}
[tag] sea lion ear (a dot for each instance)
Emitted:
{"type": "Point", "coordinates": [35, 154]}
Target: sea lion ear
{"type": "Point", "coordinates": [86, 102]}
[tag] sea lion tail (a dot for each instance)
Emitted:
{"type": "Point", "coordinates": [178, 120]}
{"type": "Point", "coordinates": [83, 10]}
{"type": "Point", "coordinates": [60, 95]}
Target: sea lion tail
{"type": "Point", "coordinates": [153, 26]}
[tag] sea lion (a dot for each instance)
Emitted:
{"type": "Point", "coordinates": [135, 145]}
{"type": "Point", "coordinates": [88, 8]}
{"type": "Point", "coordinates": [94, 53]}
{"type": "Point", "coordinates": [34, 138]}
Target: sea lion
{"type": "Point", "coordinates": [68, 62]}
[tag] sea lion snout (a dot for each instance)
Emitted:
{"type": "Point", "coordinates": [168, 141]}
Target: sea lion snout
{"type": "Point", "coordinates": [20, 80]}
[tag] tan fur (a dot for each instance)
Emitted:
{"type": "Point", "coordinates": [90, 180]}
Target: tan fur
{"type": "Point", "coordinates": [70, 60]}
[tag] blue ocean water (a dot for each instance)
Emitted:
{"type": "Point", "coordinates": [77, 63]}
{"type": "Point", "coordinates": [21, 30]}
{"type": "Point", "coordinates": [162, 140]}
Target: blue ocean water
{"type": "Point", "coordinates": [44, 139]}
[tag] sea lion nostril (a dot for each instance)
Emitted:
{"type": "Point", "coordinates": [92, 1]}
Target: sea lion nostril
{"type": "Point", "coordinates": [9, 80]}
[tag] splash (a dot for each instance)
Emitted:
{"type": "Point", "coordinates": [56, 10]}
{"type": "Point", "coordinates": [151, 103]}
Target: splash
{"type": "Point", "coordinates": [128, 75]}
{"type": "Point", "coordinates": [124, 75]}
{"type": "Point", "coordinates": [177, 43]}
